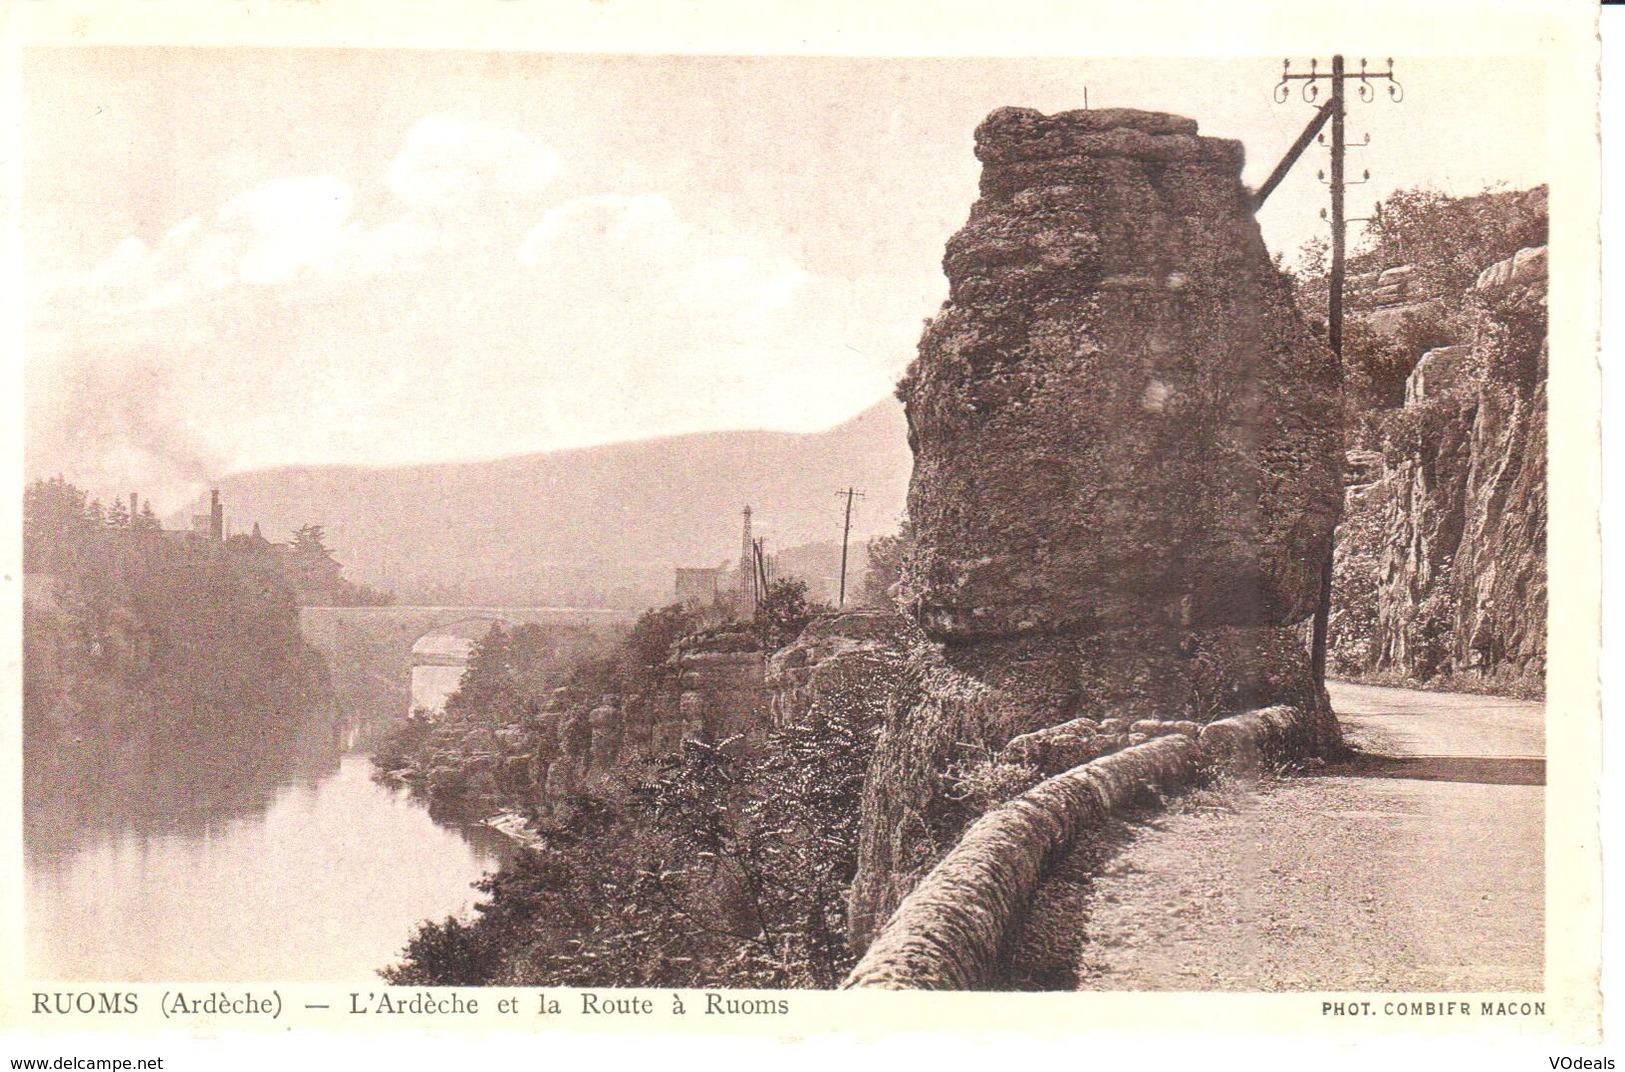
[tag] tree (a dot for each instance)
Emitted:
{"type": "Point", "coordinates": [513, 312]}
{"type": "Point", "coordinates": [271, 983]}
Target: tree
{"type": "Point", "coordinates": [318, 577]}
{"type": "Point", "coordinates": [885, 565]}
{"type": "Point", "coordinates": [310, 566]}
{"type": "Point", "coordinates": [573, 910]}
{"type": "Point", "coordinates": [785, 611]}
{"type": "Point", "coordinates": [1314, 257]}
{"type": "Point", "coordinates": [452, 953]}
{"type": "Point", "coordinates": [760, 845]}
{"type": "Point", "coordinates": [146, 520]}
{"type": "Point", "coordinates": [1375, 369]}
{"type": "Point", "coordinates": [401, 745]}
{"type": "Point", "coordinates": [656, 631]}
{"type": "Point", "coordinates": [56, 525]}
{"type": "Point", "coordinates": [1451, 239]}
{"type": "Point", "coordinates": [489, 690]}
{"type": "Point", "coordinates": [809, 800]}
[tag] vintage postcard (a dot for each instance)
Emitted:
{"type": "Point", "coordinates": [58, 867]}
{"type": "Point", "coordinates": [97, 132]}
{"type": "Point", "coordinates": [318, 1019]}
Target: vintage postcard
{"type": "Point", "coordinates": [760, 524]}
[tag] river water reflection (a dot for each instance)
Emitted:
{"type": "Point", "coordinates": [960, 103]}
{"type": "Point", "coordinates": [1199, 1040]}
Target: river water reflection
{"type": "Point", "coordinates": [321, 878]}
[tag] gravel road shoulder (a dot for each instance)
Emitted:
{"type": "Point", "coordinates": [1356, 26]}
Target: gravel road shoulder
{"type": "Point", "coordinates": [1326, 882]}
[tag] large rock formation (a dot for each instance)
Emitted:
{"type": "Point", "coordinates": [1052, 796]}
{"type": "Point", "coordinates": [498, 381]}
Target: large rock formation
{"type": "Point", "coordinates": [1126, 442]}
{"type": "Point", "coordinates": [1118, 419]}
{"type": "Point", "coordinates": [852, 660]}
{"type": "Point", "coordinates": [1127, 450]}
{"type": "Point", "coordinates": [580, 745]}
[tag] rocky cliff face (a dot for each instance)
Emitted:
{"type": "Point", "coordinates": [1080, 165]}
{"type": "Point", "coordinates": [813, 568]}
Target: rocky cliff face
{"type": "Point", "coordinates": [852, 660]}
{"type": "Point", "coordinates": [1441, 564]}
{"type": "Point", "coordinates": [718, 695]}
{"type": "Point", "coordinates": [583, 740]}
{"type": "Point", "coordinates": [1127, 451]}
{"type": "Point", "coordinates": [587, 743]}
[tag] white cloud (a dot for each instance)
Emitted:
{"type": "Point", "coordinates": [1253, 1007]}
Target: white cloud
{"type": "Point", "coordinates": [127, 266]}
{"type": "Point", "coordinates": [449, 163]}
{"type": "Point", "coordinates": [285, 224]}
{"type": "Point", "coordinates": [363, 251]}
{"type": "Point", "coordinates": [639, 248]}
{"type": "Point", "coordinates": [263, 236]}
{"type": "Point", "coordinates": [288, 327]}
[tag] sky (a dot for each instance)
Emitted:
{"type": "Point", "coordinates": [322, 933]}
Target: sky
{"type": "Point", "coordinates": [242, 258]}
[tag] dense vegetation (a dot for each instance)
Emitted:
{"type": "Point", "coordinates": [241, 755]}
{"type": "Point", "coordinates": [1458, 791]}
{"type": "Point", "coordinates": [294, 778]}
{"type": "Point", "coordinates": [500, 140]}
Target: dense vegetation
{"type": "Point", "coordinates": [511, 675]}
{"type": "Point", "coordinates": [722, 862]}
{"type": "Point", "coordinates": [1447, 241]}
{"type": "Point", "coordinates": [885, 566]}
{"type": "Point", "coordinates": [156, 661]}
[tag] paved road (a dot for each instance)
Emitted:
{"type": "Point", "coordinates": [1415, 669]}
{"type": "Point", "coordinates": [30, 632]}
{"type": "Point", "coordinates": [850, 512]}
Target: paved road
{"type": "Point", "coordinates": [1418, 867]}
{"type": "Point", "coordinates": [1403, 722]}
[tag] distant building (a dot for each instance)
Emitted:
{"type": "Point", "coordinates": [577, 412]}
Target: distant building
{"type": "Point", "coordinates": [211, 525]}
{"type": "Point", "coordinates": [728, 589]}
{"type": "Point", "coordinates": [697, 586]}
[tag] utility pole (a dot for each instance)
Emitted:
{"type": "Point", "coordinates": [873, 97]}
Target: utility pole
{"type": "Point", "coordinates": [1334, 309]}
{"type": "Point", "coordinates": [761, 569]}
{"type": "Point", "coordinates": [1335, 110]}
{"type": "Point", "coordinates": [846, 534]}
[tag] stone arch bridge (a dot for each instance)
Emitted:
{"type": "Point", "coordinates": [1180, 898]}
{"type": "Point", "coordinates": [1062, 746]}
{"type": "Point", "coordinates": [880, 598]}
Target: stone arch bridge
{"type": "Point", "coordinates": [370, 651]}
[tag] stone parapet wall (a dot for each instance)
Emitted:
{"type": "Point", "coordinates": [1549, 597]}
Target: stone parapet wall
{"type": "Point", "coordinates": [954, 931]}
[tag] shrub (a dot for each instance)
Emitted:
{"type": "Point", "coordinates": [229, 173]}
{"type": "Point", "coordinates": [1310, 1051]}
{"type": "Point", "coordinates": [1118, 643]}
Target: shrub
{"type": "Point", "coordinates": [785, 612]}
{"type": "Point", "coordinates": [980, 781]}
{"type": "Point", "coordinates": [729, 865]}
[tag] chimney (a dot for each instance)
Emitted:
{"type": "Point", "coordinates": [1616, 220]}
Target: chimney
{"type": "Point", "coordinates": [217, 516]}
{"type": "Point", "coordinates": [134, 510]}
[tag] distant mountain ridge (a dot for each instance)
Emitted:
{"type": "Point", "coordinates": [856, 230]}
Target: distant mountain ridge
{"type": "Point", "coordinates": [598, 525]}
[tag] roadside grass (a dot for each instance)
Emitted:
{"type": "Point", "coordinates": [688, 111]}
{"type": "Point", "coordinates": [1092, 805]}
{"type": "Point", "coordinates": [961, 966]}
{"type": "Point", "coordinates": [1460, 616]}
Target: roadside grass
{"type": "Point", "coordinates": [1221, 792]}
{"type": "Point", "coordinates": [1522, 688]}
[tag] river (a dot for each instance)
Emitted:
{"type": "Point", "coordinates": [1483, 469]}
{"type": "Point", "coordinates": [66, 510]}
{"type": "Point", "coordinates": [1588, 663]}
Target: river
{"type": "Point", "coordinates": [321, 876]}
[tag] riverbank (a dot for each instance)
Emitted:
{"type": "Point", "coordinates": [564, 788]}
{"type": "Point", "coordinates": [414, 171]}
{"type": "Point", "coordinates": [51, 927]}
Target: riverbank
{"type": "Point", "coordinates": [514, 826]}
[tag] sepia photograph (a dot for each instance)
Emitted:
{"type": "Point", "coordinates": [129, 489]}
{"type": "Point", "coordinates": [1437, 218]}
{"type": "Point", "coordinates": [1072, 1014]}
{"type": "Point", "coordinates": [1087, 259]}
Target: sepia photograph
{"type": "Point", "coordinates": [730, 525]}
